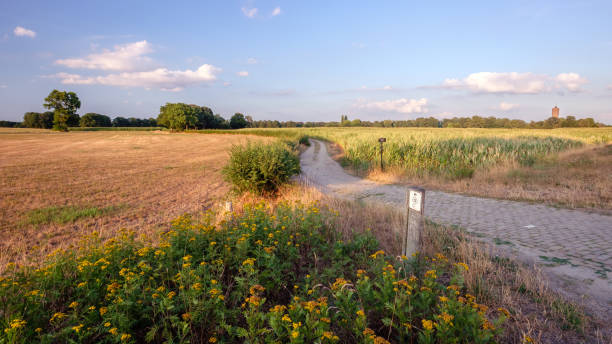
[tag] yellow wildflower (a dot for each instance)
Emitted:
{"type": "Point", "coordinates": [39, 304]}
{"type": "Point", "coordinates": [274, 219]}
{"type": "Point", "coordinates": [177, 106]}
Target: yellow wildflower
{"type": "Point", "coordinates": [113, 331]}
{"type": "Point", "coordinates": [427, 324]}
{"type": "Point", "coordinates": [463, 265]}
{"type": "Point", "coordinates": [249, 261]}
{"type": "Point", "coordinates": [58, 315]}
{"type": "Point", "coordinates": [125, 337]}
{"type": "Point", "coordinates": [377, 253]}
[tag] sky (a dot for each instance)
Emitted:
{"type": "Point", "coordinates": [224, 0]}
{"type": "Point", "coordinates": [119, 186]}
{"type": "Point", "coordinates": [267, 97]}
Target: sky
{"type": "Point", "coordinates": [311, 60]}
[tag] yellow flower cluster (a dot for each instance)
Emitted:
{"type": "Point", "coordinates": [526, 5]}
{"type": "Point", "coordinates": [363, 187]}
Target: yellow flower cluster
{"type": "Point", "coordinates": [339, 283]}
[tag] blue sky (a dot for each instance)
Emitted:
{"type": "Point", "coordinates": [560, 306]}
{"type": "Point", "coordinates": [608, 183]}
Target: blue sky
{"type": "Point", "coordinates": [311, 60]}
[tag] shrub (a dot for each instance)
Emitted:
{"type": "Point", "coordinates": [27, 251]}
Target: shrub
{"type": "Point", "coordinates": [260, 168]}
{"type": "Point", "coordinates": [304, 140]}
{"type": "Point", "coordinates": [260, 276]}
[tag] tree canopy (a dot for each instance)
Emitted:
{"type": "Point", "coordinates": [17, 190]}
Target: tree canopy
{"type": "Point", "coordinates": [180, 116]}
{"type": "Point", "coordinates": [64, 105]}
{"type": "Point", "coordinates": [95, 120]}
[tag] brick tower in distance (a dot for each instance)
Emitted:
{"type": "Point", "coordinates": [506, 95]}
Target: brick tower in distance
{"type": "Point", "coordinates": [555, 112]}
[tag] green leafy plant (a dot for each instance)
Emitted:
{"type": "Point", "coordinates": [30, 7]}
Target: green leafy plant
{"type": "Point", "coordinates": [260, 168]}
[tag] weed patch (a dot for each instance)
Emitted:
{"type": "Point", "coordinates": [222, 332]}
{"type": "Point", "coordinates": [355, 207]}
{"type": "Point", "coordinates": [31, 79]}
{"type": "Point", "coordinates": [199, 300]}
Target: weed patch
{"type": "Point", "coordinates": [64, 214]}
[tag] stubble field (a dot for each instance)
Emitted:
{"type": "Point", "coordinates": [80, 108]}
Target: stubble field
{"type": "Point", "coordinates": [57, 187]}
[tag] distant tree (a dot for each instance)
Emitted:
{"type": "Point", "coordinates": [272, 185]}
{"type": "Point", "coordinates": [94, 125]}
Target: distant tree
{"type": "Point", "coordinates": [181, 116]}
{"type": "Point", "coordinates": [9, 124]}
{"type": "Point", "coordinates": [95, 120]}
{"type": "Point", "coordinates": [587, 123]}
{"type": "Point", "coordinates": [120, 122]}
{"type": "Point", "coordinates": [250, 121]}
{"type": "Point", "coordinates": [220, 122]}
{"type": "Point", "coordinates": [31, 120]}
{"type": "Point", "coordinates": [238, 121]}
{"type": "Point", "coordinates": [64, 105]}
{"type": "Point", "coordinates": [46, 119]}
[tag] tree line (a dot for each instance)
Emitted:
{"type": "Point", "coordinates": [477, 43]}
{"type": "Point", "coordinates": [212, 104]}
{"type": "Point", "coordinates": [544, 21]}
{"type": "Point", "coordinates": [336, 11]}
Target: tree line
{"type": "Point", "coordinates": [431, 122]}
{"type": "Point", "coordinates": [181, 116]}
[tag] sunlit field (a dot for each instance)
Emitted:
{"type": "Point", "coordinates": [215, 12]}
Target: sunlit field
{"type": "Point", "coordinates": [567, 167]}
{"type": "Point", "coordinates": [55, 187]}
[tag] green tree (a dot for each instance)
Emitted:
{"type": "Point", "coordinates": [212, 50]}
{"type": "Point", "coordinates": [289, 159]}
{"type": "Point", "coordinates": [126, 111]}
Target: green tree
{"type": "Point", "coordinates": [95, 120]}
{"type": "Point", "coordinates": [64, 105]}
{"type": "Point", "coordinates": [238, 121]}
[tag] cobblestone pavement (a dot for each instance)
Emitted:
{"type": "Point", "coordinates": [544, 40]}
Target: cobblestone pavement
{"type": "Point", "coordinates": [574, 246]}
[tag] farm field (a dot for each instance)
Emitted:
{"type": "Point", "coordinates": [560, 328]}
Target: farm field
{"type": "Point", "coordinates": [60, 189]}
{"type": "Point", "coordinates": [563, 167]}
{"type": "Point", "coordinates": [56, 187]}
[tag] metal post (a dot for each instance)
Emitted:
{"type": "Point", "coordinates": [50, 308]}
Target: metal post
{"type": "Point", "coordinates": [415, 218]}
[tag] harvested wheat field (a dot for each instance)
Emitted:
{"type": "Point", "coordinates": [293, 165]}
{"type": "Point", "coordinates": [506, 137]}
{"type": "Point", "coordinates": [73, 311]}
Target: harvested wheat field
{"type": "Point", "coordinates": [57, 187]}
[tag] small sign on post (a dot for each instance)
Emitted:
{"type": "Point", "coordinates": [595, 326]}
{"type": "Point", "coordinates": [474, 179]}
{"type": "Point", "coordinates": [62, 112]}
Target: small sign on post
{"type": "Point", "coordinates": [415, 218]}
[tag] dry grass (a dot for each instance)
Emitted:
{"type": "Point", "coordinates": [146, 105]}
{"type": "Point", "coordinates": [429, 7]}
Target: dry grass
{"type": "Point", "coordinates": [101, 181]}
{"type": "Point", "coordinates": [536, 311]}
{"type": "Point", "coordinates": [578, 178]}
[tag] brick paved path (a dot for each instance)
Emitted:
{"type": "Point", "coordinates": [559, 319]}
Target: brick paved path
{"type": "Point", "coordinates": [573, 245]}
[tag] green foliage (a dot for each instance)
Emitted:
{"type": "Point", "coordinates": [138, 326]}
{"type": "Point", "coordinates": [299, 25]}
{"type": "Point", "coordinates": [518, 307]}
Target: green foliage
{"type": "Point", "coordinates": [134, 122]}
{"type": "Point", "coordinates": [95, 120]}
{"type": "Point", "coordinates": [64, 214]}
{"type": "Point", "coordinates": [64, 105]}
{"type": "Point", "coordinates": [262, 276]}
{"type": "Point", "coordinates": [38, 120]}
{"type": "Point", "coordinates": [238, 121]}
{"type": "Point", "coordinates": [180, 116]}
{"type": "Point", "coordinates": [260, 168]}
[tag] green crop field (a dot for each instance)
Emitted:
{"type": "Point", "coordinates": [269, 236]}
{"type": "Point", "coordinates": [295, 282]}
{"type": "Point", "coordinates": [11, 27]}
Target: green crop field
{"type": "Point", "coordinates": [446, 152]}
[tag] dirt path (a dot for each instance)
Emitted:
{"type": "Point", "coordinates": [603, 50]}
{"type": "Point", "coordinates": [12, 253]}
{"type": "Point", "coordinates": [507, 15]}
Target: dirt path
{"type": "Point", "coordinates": [574, 248]}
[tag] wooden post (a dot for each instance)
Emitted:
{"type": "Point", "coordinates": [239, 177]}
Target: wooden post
{"type": "Point", "coordinates": [415, 218]}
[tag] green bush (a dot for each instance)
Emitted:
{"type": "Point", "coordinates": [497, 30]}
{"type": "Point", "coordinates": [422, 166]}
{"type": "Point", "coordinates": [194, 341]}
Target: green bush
{"type": "Point", "coordinates": [260, 168]}
{"type": "Point", "coordinates": [262, 276]}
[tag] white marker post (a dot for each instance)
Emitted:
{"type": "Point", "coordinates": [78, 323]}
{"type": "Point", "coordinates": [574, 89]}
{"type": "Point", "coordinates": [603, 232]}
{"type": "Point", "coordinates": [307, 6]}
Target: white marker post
{"type": "Point", "coordinates": [415, 218]}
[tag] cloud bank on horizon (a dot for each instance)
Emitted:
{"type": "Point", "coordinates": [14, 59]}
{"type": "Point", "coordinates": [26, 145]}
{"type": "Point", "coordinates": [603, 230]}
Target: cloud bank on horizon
{"type": "Point", "coordinates": [337, 61]}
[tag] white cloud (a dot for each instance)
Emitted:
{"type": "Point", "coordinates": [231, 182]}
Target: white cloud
{"type": "Point", "coordinates": [243, 73]}
{"type": "Point", "coordinates": [359, 45]}
{"type": "Point", "coordinates": [251, 60]}
{"type": "Point", "coordinates": [21, 31]}
{"type": "Point", "coordinates": [402, 105]}
{"type": "Point", "coordinates": [249, 12]}
{"type": "Point", "coordinates": [162, 78]}
{"type": "Point", "coordinates": [276, 11]}
{"type": "Point", "coordinates": [507, 106]}
{"type": "Point", "coordinates": [3, 86]}
{"type": "Point", "coordinates": [125, 57]}
{"type": "Point", "coordinates": [227, 83]}
{"type": "Point", "coordinates": [516, 83]}
{"type": "Point", "coordinates": [571, 81]}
